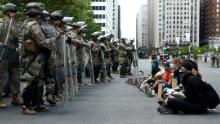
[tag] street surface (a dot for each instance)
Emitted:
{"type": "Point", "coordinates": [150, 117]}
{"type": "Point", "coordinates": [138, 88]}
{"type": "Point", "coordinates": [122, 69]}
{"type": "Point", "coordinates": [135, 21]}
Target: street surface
{"type": "Point", "coordinates": [116, 103]}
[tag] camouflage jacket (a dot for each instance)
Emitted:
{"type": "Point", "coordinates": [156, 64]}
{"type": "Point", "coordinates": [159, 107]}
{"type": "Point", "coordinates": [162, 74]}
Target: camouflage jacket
{"type": "Point", "coordinates": [96, 49]}
{"type": "Point", "coordinates": [33, 40]}
{"type": "Point", "coordinates": [10, 42]}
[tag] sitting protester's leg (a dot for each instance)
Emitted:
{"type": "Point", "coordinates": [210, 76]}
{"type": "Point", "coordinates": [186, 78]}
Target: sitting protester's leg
{"type": "Point", "coordinates": [179, 104]}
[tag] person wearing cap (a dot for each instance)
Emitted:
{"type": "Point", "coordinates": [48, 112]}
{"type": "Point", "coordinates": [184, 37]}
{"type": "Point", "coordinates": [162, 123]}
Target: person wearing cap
{"type": "Point", "coordinates": [188, 101]}
{"type": "Point", "coordinates": [9, 39]}
{"type": "Point", "coordinates": [33, 59]}
{"type": "Point", "coordinates": [95, 50]}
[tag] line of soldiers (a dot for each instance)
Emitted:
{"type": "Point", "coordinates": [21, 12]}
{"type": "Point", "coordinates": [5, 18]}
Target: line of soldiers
{"type": "Point", "coordinates": [54, 55]}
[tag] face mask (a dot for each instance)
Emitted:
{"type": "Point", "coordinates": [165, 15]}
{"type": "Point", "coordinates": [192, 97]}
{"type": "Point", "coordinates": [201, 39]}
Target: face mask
{"type": "Point", "coordinates": [171, 65]}
{"type": "Point", "coordinates": [181, 75]}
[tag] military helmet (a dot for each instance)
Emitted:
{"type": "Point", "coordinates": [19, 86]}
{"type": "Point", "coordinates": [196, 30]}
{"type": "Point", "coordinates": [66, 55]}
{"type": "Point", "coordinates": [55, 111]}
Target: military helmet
{"type": "Point", "coordinates": [96, 34]}
{"type": "Point", "coordinates": [57, 15]}
{"type": "Point", "coordinates": [45, 15]}
{"type": "Point", "coordinates": [34, 8]}
{"type": "Point", "coordinates": [9, 7]}
{"type": "Point", "coordinates": [67, 20]}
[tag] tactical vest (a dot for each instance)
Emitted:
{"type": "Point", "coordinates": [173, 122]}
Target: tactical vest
{"type": "Point", "coordinates": [96, 54]}
{"type": "Point", "coordinates": [12, 41]}
{"type": "Point", "coordinates": [29, 44]}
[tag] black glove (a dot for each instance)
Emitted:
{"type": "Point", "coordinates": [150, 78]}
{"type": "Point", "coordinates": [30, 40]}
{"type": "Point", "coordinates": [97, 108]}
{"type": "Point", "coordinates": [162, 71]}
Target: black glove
{"type": "Point", "coordinates": [103, 48]}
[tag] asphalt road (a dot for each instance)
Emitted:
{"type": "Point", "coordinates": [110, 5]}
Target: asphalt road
{"type": "Point", "coordinates": [115, 103]}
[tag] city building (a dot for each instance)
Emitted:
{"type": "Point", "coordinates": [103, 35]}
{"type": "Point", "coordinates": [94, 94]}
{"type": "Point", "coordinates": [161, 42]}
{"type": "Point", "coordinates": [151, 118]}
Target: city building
{"type": "Point", "coordinates": [142, 27]}
{"type": "Point", "coordinates": [106, 15]}
{"type": "Point", "coordinates": [119, 22]}
{"type": "Point", "coordinates": [210, 27]}
{"type": "Point", "coordinates": [172, 20]}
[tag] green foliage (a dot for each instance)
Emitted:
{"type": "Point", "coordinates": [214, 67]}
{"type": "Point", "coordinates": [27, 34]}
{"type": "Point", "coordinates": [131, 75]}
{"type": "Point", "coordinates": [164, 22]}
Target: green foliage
{"type": "Point", "coordinates": [79, 9]}
{"type": "Point", "coordinates": [198, 50]}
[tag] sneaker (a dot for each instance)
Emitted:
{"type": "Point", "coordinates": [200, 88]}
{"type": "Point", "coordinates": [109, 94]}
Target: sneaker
{"type": "Point", "coordinates": [164, 110]}
{"type": "Point", "coordinates": [160, 102]}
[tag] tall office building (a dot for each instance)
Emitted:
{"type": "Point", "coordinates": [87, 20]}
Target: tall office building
{"type": "Point", "coordinates": [210, 28]}
{"type": "Point", "coordinates": [175, 19]}
{"type": "Point", "coordinates": [119, 22]}
{"type": "Point", "coordinates": [142, 27]}
{"type": "Point", "coordinates": [106, 14]}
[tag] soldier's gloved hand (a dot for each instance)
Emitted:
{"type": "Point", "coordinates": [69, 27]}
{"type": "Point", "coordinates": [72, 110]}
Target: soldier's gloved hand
{"type": "Point", "coordinates": [68, 40]}
{"type": "Point", "coordinates": [103, 48]}
{"type": "Point", "coordinates": [60, 35]}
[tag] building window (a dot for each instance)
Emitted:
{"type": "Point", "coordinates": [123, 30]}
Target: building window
{"type": "Point", "coordinates": [99, 16]}
{"type": "Point", "coordinates": [98, 7]}
{"type": "Point", "coordinates": [98, 0]}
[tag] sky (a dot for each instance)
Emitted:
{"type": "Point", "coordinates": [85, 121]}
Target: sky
{"type": "Point", "coordinates": [129, 10]}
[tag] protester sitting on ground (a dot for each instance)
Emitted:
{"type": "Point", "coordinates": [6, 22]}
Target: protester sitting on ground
{"type": "Point", "coordinates": [154, 66]}
{"type": "Point", "coordinates": [192, 99]}
{"type": "Point", "coordinates": [166, 77]}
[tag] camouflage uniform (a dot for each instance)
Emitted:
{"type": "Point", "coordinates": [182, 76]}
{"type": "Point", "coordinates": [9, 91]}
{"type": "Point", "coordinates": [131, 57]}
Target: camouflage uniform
{"type": "Point", "coordinates": [50, 65]}
{"type": "Point", "coordinates": [33, 61]}
{"type": "Point", "coordinates": [115, 57]}
{"type": "Point", "coordinates": [103, 70]}
{"type": "Point", "coordinates": [123, 60]}
{"type": "Point", "coordinates": [9, 58]}
{"type": "Point", "coordinates": [130, 58]}
{"type": "Point", "coordinates": [95, 50]}
{"type": "Point", "coordinates": [108, 60]}
{"type": "Point", "coordinates": [80, 51]}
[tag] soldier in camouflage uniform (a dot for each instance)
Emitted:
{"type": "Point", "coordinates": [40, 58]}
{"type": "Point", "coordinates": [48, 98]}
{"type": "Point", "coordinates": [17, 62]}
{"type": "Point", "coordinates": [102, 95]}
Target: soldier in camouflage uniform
{"type": "Point", "coordinates": [103, 70]}
{"type": "Point", "coordinates": [80, 53]}
{"type": "Point", "coordinates": [58, 54]}
{"type": "Point", "coordinates": [9, 37]}
{"type": "Point", "coordinates": [130, 57]}
{"type": "Point", "coordinates": [108, 55]}
{"type": "Point", "coordinates": [95, 50]}
{"type": "Point", "coordinates": [33, 60]}
{"type": "Point", "coordinates": [123, 59]}
{"type": "Point", "coordinates": [49, 32]}
{"type": "Point", "coordinates": [115, 56]}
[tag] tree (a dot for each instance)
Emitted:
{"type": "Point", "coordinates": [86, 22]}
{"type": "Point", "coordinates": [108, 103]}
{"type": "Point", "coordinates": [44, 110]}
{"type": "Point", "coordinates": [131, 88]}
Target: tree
{"type": "Point", "coordinates": [79, 9]}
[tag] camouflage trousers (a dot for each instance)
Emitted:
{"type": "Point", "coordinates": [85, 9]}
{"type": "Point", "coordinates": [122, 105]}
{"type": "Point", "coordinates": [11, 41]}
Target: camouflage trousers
{"type": "Point", "coordinates": [81, 73]}
{"type": "Point", "coordinates": [13, 69]}
{"type": "Point", "coordinates": [123, 68]}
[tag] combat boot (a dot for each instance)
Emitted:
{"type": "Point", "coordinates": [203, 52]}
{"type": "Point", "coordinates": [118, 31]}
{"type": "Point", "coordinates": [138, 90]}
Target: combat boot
{"type": "Point", "coordinates": [2, 104]}
{"type": "Point", "coordinates": [50, 99]}
{"type": "Point", "coordinates": [16, 100]}
{"type": "Point", "coordinates": [41, 109]}
{"type": "Point", "coordinates": [111, 77]}
{"type": "Point", "coordinates": [28, 111]}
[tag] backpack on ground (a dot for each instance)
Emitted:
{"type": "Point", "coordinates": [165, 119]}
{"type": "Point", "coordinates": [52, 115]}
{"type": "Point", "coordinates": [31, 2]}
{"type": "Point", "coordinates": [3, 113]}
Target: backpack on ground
{"type": "Point", "coordinates": [210, 96]}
